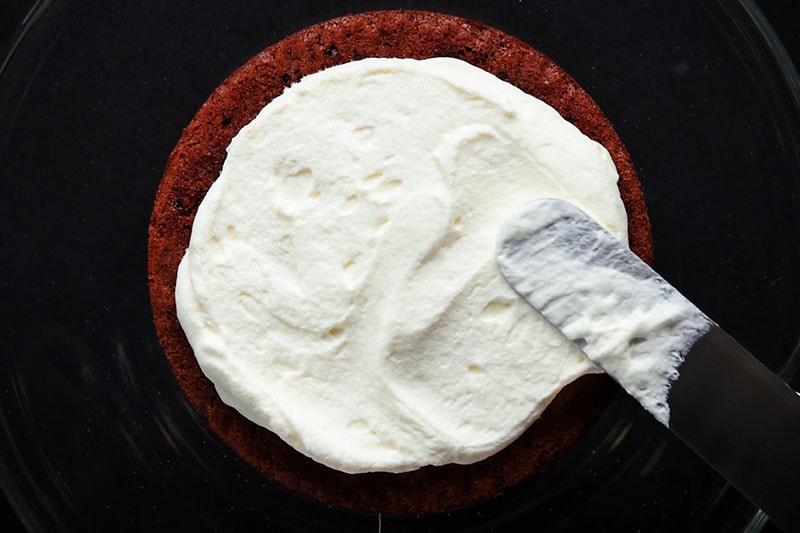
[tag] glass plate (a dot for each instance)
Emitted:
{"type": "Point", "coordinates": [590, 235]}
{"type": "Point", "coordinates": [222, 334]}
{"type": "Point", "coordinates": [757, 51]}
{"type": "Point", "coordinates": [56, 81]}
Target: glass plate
{"type": "Point", "coordinates": [95, 433]}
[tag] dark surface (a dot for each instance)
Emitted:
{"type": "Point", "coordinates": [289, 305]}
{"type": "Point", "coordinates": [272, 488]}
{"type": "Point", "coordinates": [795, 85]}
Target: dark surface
{"type": "Point", "coordinates": [89, 110]}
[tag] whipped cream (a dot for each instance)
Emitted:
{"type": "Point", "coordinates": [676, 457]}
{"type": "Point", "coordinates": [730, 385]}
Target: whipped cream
{"type": "Point", "coordinates": [340, 287]}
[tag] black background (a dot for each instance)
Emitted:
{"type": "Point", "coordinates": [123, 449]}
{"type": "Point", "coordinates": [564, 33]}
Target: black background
{"type": "Point", "coordinates": [783, 15]}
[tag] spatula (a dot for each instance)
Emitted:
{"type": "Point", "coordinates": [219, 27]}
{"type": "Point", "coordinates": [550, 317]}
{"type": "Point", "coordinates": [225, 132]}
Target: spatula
{"type": "Point", "coordinates": [666, 353]}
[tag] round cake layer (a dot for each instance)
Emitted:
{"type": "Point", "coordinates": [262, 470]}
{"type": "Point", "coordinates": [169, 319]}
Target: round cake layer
{"type": "Point", "coordinates": [196, 163]}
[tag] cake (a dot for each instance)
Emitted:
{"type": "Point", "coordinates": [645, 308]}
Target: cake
{"type": "Point", "coordinates": [196, 162]}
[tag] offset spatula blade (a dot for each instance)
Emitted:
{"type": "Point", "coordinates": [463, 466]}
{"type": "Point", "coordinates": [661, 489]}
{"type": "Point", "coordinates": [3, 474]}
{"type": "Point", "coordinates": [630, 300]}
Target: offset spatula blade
{"type": "Point", "coordinates": [666, 353]}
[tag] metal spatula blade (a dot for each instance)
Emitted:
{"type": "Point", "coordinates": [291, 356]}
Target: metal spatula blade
{"type": "Point", "coordinates": [693, 377]}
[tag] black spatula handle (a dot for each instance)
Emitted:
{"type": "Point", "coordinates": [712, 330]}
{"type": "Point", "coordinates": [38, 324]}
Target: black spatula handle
{"type": "Point", "coordinates": [744, 421]}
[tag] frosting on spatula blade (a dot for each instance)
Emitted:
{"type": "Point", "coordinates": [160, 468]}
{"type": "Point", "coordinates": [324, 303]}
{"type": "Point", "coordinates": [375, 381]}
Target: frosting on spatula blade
{"type": "Point", "coordinates": [623, 315]}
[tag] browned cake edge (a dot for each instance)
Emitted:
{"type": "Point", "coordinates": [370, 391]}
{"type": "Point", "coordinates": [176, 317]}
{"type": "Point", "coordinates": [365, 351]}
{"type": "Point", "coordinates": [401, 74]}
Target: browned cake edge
{"type": "Point", "coordinates": [196, 162]}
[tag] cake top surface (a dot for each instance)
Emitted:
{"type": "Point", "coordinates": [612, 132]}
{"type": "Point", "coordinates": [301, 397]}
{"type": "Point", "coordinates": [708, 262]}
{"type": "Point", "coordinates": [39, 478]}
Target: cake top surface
{"type": "Point", "coordinates": [340, 287]}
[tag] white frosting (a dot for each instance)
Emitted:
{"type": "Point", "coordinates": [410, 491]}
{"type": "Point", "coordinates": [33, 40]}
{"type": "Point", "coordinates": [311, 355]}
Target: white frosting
{"type": "Point", "coordinates": [340, 287]}
{"type": "Point", "coordinates": [623, 315]}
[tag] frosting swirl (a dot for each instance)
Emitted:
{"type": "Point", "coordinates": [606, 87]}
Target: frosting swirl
{"type": "Point", "coordinates": [340, 286]}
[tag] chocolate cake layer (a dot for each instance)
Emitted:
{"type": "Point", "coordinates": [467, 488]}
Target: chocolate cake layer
{"type": "Point", "coordinates": [196, 162]}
